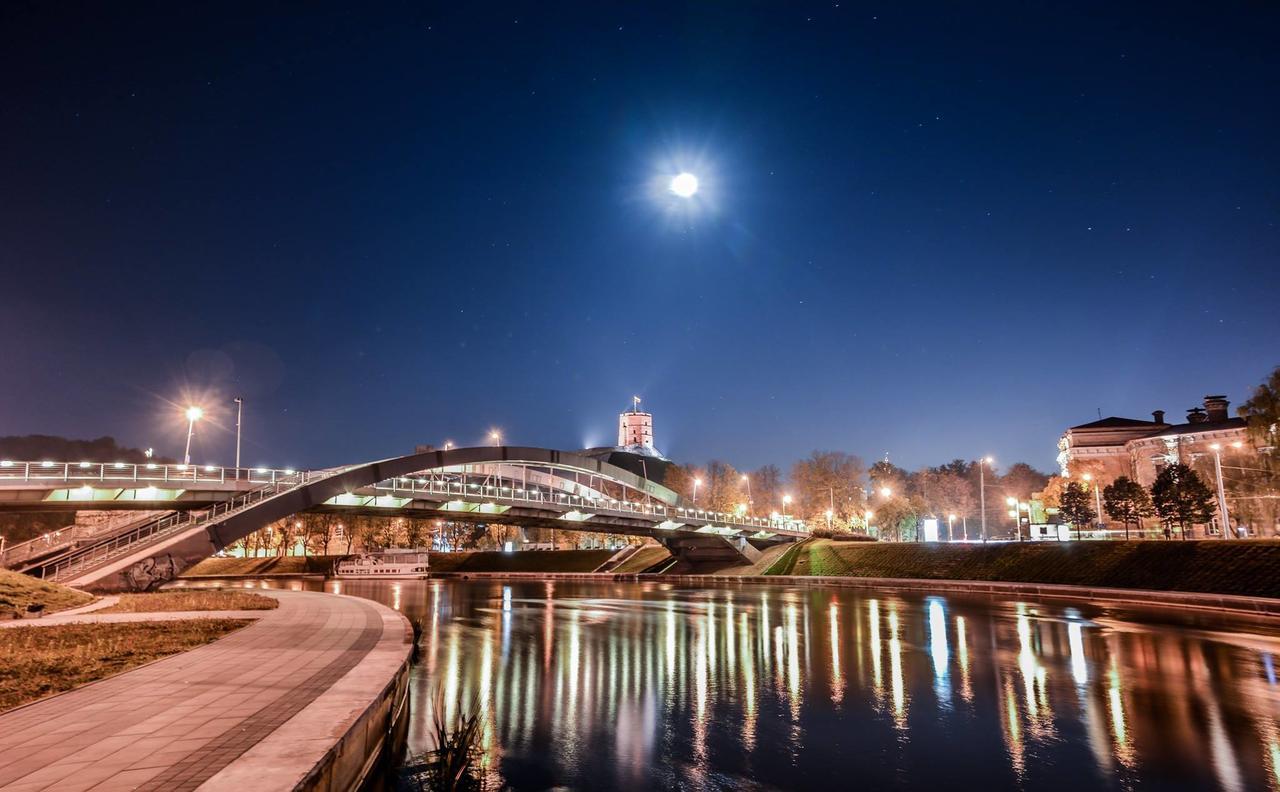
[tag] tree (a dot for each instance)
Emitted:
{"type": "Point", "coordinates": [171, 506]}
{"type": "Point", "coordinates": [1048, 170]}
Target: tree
{"type": "Point", "coordinates": [886, 475]}
{"type": "Point", "coordinates": [1020, 480]}
{"type": "Point", "coordinates": [898, 517]}
{"type": "Point", "coordinates": [766, 490]}
{"type": "Point", "coordinates": [828, 480]}
{"type": "Point", "coordinates": [1127, 501]}
{"type": "Point", "coordinates": [1181, 497]}
{"type": "Point", "coordinates": [1076, 506]}
{"type": "Point", "coordinates": [946, 492]}
{"type": "Point", "coordinates": [721, 488]}
{"type": "Point", "coordinates": [1262, 413]}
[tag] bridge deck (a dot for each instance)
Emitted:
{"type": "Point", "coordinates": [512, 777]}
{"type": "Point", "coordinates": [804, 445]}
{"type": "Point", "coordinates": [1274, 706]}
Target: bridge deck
{"type": "Point", "coordinates": [196, 717]}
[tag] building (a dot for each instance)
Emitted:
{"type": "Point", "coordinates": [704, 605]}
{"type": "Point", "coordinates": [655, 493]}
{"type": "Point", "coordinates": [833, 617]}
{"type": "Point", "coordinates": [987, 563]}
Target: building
{"type": "Point", "coordinates": [635, 450]}
{"type": "Point", "coordinates": [1114, 447]}
{"type": "Point", "coordinates": [1137, 448]}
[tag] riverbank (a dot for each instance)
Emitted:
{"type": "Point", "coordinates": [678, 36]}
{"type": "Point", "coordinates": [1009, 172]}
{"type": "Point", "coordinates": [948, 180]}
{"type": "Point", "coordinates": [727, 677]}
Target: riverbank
{"type": "Point", "coordinates": [1223, 567]}
{"type": "Point", "coordinates": [466, 562]}
{"type": "Point", "coordinates": [307, 696]}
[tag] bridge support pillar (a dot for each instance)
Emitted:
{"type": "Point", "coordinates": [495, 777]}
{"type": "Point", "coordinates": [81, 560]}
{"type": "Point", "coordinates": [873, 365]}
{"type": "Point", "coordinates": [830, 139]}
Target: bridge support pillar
{"type": "Point", "coordinates": [695, 548]}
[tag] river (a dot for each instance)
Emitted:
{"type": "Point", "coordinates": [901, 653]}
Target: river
{"type": "Point", "coordinates": [601, 685]}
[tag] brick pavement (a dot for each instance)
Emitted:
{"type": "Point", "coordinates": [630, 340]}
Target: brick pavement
{"type": "Point", "coordinates": [175, 723]}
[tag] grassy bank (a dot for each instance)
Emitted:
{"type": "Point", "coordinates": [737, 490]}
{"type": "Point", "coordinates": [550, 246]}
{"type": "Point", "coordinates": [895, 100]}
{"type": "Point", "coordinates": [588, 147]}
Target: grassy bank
{"type": "Point", "coordinates": [39, 661]}
{"type": "Point", "coordinates": [1250, 568]}
{"type": "Point", "coordinates": [280, 566]}
{"type": "Point", "coordinates": [17, 591]}
{"type": "Point", "coordinates": [201, 600]}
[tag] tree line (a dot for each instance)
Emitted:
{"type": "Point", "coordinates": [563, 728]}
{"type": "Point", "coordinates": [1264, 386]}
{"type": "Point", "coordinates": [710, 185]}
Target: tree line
{"type": "Point", "coordinates": [837, 490]}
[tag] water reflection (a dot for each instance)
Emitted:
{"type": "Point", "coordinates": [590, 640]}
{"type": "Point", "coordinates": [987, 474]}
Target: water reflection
{"type": "Point", "coordinates": [654, 686]}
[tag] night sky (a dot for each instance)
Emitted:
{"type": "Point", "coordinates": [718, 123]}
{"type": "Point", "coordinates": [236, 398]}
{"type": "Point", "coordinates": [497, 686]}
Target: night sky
{"type": "Point", "coordinates": [933, 230]}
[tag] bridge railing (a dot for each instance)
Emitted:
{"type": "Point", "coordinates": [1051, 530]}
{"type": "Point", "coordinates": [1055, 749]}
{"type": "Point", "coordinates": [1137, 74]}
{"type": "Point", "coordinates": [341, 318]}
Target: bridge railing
{"type": "Point", "coordinates": [541, 497]}
{"type": "Point", "coordinates": [62, 538]}
{"type": "Point", "coordinates": [50, 472]}
{"type": "Point", "coordinates": [125, 543]}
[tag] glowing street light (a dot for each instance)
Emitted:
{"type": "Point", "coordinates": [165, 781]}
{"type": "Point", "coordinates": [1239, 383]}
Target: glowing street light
{"type": "Point", "coordinates": [866, 521]}
{"type": "Point", "coordinates": [696, 483]}
{"type": "Point", "coordinates": [786, 502]}
{"type": "Point", "coordinates": [747, 480]}
{"type": "Point", "coordinates": [885, 492]}
{"type": "Point", "coordinates": [951, 521]}
{"type": "Point", "coordinates": [194, 414]}
{"type": "Point", "coordinates": [496, 437]}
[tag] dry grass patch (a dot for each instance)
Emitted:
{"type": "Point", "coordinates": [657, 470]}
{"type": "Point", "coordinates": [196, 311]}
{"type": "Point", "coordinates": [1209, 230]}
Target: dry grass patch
{"type": "Point", "coordinates": [17, 591]}
{"type": "Point", "coordinates": [191, 600]}
{"type": "Point", "coordinates": [36, 662]}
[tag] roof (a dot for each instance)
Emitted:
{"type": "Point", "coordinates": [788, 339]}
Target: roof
{"type": "Point", "coordinates": [1116, 423]}
{"type": "Point", "coordinates": [1196, 428]}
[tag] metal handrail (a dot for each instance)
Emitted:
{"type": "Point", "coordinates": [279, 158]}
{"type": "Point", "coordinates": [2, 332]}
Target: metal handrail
{"type": "Point", "coordinates": [79, 472]}
{"type": "Point", "coordinates": [102, 552]}
{"type": "Point", "coordinates": [435, 486]}
{"type": "Point", "coordinates": [68, 536]}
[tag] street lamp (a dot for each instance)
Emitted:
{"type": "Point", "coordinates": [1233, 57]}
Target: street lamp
{"type": "Point", "coordinates": [496, 437]}
{"type": "Point", "coordinates": [982, 492]}
{"type": "Point", "coordinates": [830, 514]}
{"type": "Point", "coordinates": [885, 492]}
{"type": "Point", "coordinates": [747, 480]}
{"type": "Point", "coordinates": [1222, 495]}
{"type": "Point", "coordinates": [866, 521]}
{"type": "Point", "coordinates": [239, 413]}
{"type": "Point", "coordinates": [696, 483]}
{"type": "Point", "coordinates": [193, 414]}
{"type": "Point", "coordinates": [1097, 498]}
{"type": "Point", "coordinates": [786, 502]}
{"type": "Point", "coordinates": [951, 523]}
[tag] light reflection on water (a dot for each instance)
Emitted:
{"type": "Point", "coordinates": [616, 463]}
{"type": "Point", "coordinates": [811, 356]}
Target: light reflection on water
{"type": "Point", "coordinates": [625, 685]}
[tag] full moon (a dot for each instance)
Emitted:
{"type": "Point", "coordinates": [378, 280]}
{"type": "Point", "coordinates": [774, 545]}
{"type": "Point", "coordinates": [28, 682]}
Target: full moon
{"type": "Point", "coordinates": [684, 185]}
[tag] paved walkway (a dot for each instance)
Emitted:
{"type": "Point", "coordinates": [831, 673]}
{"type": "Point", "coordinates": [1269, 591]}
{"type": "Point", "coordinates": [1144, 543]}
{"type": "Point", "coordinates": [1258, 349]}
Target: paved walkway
{"type": "Point", "coordinates": [182, 721]}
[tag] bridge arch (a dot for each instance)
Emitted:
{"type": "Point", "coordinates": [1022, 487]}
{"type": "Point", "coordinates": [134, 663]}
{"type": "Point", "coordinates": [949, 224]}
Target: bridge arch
{"type": "Point", "coordinates": [156, 552]}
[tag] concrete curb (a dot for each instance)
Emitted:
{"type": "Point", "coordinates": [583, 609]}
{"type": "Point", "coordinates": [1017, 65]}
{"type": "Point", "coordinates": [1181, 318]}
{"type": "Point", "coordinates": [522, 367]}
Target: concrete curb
{"type": "Point", "coordinates": [1258, 606]}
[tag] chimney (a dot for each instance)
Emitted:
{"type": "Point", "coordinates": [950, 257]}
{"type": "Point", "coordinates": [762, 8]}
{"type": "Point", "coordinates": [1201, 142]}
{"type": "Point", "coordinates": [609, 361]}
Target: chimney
{"type": "Point", "coordinates": [1157, 416]}
{"type": "Point", "coordinates": [1216, 407]}
{"type": "Point", "coordinates": [1196, 415]}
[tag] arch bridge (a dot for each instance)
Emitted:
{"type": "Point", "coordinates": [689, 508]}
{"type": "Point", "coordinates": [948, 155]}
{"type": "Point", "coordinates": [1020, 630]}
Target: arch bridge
{"type": "Point", "coordinates": [522, 486]}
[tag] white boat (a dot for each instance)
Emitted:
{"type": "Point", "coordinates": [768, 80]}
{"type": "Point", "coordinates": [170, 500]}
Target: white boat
{"type": "Point", "coordinates": [387, 565]}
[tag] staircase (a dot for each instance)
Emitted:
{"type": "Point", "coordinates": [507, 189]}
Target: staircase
{"type": "Point", "coordinates": [83, 560]}
{"type": "Point", "coordinates": [42, 550]}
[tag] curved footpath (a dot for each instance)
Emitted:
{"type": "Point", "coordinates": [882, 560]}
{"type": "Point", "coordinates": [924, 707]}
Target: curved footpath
{"type": "Point", "coordinates": [303, 698]}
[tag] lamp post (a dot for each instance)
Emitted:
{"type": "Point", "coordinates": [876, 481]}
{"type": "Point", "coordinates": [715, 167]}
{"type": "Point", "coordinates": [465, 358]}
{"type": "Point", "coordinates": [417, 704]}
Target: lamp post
{"type": "Point", "coordinates": [696, 483]}
{"type": "Point", "coordinates": [746, 480]}
{"type": "Point", "coordinates": [1222, 495]}
{"type": "Point", "coordinates": [951, 522]}
{"type": "Point", "coordinates": [193, 414]}
{"type": "Point", "coordinates": [866, 521]}
{"type": "Point", "coordinates": [239, 414]}
{"type": "Point", "coordinates": [496, 437]}
{"type": "Point", "coordinates": [1097, 498]}
{"type": "Point", "coordinates": [982, 492]}
{"type": "Point", "coordinates": [1017, 515]}
{"type": "Point", "coordinates": [786, 502]}
{"type": "Point", "coordinates": [830, 514]}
